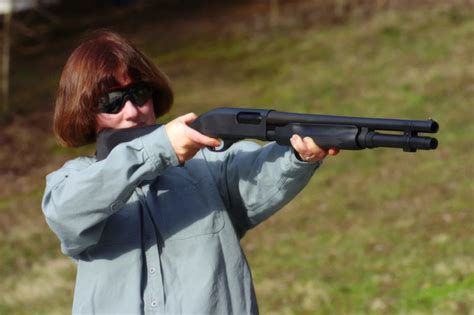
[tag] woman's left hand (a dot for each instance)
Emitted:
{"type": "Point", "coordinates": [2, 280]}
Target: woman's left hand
{"type": "Point", "coordinates": [310, 151]}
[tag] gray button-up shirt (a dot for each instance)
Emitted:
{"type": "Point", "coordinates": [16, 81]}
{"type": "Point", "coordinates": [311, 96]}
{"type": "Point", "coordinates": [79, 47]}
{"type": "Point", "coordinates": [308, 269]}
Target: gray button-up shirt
{"type": "Point", "coordinates": [152, 237]}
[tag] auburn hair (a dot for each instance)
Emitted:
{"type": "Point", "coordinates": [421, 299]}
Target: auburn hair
{"type": "Point", "coordinates": [98, 64]}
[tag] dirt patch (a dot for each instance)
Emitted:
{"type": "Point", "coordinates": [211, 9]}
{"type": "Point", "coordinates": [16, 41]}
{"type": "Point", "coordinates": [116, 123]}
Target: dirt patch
{"type": "Point", "coordinates": [25, 158]}
{"type": "Point", "coordinates": [25, 143]}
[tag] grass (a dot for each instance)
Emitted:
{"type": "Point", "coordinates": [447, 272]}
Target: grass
{"type": "Point", "coordinates": [376, 231]}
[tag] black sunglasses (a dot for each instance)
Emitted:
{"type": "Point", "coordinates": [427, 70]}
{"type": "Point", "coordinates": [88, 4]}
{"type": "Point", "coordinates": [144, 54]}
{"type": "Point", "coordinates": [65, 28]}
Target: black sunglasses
{"type": "Point", "coordinates": [113, 102]}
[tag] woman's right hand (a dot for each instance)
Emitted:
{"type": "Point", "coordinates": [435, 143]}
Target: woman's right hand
{"type": "Point", "coordinates": [185, 140]}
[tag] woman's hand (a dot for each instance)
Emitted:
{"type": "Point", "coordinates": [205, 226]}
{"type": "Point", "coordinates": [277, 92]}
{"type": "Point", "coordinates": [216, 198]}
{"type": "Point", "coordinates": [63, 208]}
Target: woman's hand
{"type": "Point", "coordinates": [185, 140]}
{"type": "Point", "coordinates": [310, 151]}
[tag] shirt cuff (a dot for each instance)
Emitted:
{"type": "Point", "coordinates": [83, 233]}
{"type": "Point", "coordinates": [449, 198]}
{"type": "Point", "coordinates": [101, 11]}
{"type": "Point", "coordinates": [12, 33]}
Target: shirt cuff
{"type": "Point", "coordinates": [296, 166]}
{"type": "Point", "coordinates": [159, 150]}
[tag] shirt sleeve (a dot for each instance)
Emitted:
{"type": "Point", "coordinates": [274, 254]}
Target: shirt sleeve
{"type": "Point", "coordinates": [256, 181]}
{"type": "Point", "coordinates": [81, 195]}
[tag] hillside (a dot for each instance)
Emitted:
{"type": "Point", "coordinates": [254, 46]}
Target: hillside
{"type": "Point", "coordinates": [375, 232]}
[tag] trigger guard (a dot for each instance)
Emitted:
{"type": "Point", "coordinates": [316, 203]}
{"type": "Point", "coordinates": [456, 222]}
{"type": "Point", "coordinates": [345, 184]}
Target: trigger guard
{"type": "Point", "coordinates": [225, 144]}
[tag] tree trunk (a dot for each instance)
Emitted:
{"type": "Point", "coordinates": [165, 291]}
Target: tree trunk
{"type": "Point", "coordinates": [6, 63]}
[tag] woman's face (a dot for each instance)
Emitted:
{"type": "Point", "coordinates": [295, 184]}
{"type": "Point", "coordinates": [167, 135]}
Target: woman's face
{"type": "Point", "coordinates": [129, 116]}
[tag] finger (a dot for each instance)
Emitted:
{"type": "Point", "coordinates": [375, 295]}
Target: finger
{"type": "Point", "coordinates": [200, 139]}
{"type": "Point", "coordinates": [301, 148]}
{"type": "Point", "coordinates": [333, 152]}
{"type": "Point", "coordinates": [316, 153]}
{"type": "Point", "coordinates": [298, 145]}
{"type": "Point", "coordinates": [187, 118]}
{"type": "Point", "coordinates": [311, 145]}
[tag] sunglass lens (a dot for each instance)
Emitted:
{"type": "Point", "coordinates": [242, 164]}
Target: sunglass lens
{"type": "Point", "coordinates": [115, 101]}
{"type": "Point", "coordinates": [141, 94]}
{"type": "Point", "coordinates": [111, 103]}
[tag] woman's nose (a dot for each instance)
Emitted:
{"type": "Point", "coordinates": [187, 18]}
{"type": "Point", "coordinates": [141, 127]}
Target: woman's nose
{"type": "Point", "coordinates": [130, 110]}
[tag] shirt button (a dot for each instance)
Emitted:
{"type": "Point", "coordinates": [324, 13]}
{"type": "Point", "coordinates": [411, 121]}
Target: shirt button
{"type": "Point", "coordinates": [154, 304]}
{"type": "Point", "coordinates": [152, 270]}
{"type": "Point", "coordinates": [116, 206]}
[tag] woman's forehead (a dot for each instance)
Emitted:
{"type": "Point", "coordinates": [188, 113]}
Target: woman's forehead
{"type": "Point", "coordinates": [121, 83]}
{"type": "Point", "coordinates": [116, 82]}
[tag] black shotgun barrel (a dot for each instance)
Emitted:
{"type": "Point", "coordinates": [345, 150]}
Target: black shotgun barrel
{"type": "Point", "coordinates": [282, 118]}
{"type": "Point", "coordinates": [406, 142]}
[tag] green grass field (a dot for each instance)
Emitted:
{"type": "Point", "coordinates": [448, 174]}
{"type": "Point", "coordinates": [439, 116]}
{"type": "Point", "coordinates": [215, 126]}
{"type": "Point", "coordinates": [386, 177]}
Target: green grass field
{"type": "Point", "coordinates": [375, 232]}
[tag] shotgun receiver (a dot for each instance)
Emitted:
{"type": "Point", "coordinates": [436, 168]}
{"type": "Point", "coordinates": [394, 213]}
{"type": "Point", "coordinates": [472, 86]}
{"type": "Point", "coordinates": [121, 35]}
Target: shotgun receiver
{"type": "Point", "coordinates": [347, 133]}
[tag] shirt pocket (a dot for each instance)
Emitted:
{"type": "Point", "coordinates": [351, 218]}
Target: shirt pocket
{"type": "Point", "coordinates": [122, 227]}
{"type": "Point", "coordinates": [121, 235]}
{"type": "Point", "coordinates": [187, 205]}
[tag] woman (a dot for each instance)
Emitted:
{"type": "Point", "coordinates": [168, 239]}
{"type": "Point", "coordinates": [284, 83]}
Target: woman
{"type": "Point", "coordinates": [149, 236]}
